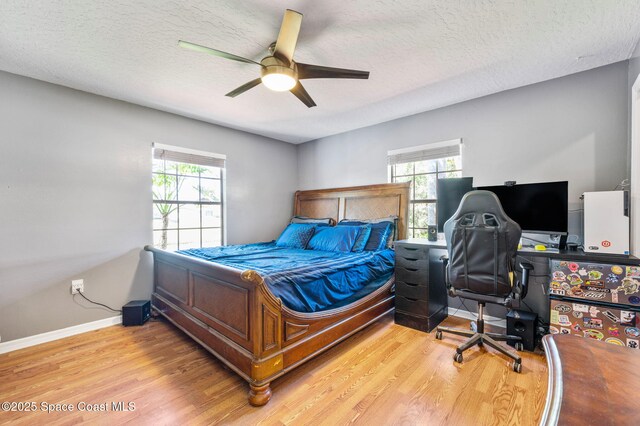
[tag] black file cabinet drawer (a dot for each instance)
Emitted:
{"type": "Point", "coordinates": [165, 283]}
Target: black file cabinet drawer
{"type": "Point", "coordinates": [421, 299]}
{"type": "Point", "coordinates": [411, 291]}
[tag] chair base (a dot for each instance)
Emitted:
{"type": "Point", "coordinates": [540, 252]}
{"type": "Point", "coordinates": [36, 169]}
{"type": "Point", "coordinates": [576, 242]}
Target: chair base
{"type": "Point", "coordinates": [480, 339]}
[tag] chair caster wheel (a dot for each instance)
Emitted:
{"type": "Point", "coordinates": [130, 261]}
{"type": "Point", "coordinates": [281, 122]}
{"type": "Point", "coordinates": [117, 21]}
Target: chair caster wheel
{"type": "Point", "coordinates": [517, 367]}
{"type": "Point", "coordinates": [438, 335]}
{"type": "Point", "coordinates": [519, 346]}
{"type": "Point", "coordinates": [457, 357]}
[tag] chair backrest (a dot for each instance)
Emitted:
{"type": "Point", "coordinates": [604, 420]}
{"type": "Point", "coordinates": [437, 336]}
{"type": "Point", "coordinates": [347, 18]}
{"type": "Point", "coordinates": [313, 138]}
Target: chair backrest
{"type": "Point", "coordinates": [482, 242]}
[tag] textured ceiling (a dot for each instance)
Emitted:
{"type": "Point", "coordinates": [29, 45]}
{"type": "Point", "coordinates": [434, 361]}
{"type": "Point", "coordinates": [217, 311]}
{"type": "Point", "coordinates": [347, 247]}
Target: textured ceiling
{"type": "Point", "coordinates": [422, 54]}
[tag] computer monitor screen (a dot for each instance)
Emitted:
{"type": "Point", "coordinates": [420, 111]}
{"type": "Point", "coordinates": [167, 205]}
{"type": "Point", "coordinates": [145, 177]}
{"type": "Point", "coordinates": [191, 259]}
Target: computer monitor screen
{"type": "Point", "coordinates": [541, 207]}
{"type": "Point", "coordinates": [450, 192]}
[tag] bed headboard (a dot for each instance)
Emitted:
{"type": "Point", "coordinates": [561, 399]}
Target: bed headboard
{"type": "Point", "coordinates": [357, 202]}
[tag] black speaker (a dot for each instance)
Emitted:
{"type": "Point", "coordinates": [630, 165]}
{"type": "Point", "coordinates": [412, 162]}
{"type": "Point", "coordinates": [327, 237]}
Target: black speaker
{"type": "Point", "coordinates": [523, 324]}
{"type": "Point", "coordinates": [432, 233]}
{"type": "Point", "coordinates": [136, 312]}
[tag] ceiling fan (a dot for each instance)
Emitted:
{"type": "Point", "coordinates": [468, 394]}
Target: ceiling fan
{"type": "Point", "coordinates": [279, 71]}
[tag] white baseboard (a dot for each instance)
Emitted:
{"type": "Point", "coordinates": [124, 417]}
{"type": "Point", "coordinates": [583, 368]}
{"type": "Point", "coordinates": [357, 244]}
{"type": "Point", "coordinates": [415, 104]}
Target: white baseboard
{"type": "Point", "coordinates": [14, 345]}
{"type": "Point", "coordinates": [463, 313]}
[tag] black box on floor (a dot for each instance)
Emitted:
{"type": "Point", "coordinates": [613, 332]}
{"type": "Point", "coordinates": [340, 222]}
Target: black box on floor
{"type": "Point", "coordinates": [136, 312]}
{"type": "Point", "coordinates": [523, 324]}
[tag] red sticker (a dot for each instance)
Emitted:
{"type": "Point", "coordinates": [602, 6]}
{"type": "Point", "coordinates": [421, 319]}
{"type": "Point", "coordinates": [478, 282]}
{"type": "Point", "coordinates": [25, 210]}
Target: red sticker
{"type": "Point", "coordinates": [606, 243]}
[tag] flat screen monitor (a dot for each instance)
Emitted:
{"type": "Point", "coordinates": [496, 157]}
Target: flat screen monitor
{"type": "Point", "coordinates": [450, 192]}
{"type": "Point", "coordinates": [536, 207]}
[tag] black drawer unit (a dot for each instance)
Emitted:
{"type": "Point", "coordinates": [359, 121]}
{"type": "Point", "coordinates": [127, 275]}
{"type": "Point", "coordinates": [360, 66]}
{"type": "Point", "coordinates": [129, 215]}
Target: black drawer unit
{"type": "Point", "coordinates": [421, 294]}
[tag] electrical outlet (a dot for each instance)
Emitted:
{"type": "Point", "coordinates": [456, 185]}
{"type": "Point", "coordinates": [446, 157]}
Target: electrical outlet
{"type": "Point", "coordinates": [77, 286]}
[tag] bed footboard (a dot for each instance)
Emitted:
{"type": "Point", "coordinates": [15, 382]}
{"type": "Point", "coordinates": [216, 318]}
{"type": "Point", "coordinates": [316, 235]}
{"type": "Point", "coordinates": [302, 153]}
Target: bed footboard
{"type": "Point", "coordinates": [234, 316]}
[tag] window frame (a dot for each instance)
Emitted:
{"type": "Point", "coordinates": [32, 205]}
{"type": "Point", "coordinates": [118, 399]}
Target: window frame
{"type": "Point", "coordinates": [393, 176]}
{"type": "Point", "coordinates": [178, 175]}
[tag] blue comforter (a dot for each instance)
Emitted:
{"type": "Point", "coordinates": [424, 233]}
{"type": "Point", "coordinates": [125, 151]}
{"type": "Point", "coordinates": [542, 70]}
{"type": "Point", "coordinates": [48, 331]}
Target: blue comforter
{"type": "Point", "coordinates": [306, 280]}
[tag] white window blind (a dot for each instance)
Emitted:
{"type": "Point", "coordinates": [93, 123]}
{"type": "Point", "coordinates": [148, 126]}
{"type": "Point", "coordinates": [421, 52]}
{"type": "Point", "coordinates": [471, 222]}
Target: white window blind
{"type": "Point", "coordinates": [189, 158]}
{"type": "Point", "coordinates": [432, 151]}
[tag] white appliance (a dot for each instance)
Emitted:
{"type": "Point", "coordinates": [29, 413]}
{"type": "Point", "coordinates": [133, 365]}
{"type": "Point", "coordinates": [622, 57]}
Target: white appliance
{"type": "Point", "coordinates": [606, 222]}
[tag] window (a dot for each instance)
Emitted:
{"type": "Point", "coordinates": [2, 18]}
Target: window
{"type": "Point", "coordinates": [422, 166]}
{"type": "Point", "coordinates": [188, 197]}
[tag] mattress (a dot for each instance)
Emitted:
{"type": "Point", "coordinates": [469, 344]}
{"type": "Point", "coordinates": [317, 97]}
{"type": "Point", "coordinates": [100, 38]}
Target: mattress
{"type": "Point", "coordinates": [307, 280]}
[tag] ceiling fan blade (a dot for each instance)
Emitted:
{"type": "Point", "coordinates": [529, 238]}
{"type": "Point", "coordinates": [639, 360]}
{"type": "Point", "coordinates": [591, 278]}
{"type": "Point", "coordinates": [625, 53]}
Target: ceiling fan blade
{"type": "Point", "coordinates": [240, 90]}
{"type": "Point", "coordinates": [317, 71]}
{"type": "Point", "coordinates": [302, 94]}
{"type": "Point", "coordinates": [220, 53]}
{"type": "Point", "coordinates": [288, 36]}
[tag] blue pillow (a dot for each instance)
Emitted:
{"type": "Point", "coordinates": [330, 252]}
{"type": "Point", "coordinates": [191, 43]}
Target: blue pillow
{"type": "Point", "coordinates": [334, 238]}
{"type": "Point", "coordinates": [381, 233]}
{"type": "Point", "coordinates": [363, 238]}
{"type": "Point", "coordinates": [296, 235]}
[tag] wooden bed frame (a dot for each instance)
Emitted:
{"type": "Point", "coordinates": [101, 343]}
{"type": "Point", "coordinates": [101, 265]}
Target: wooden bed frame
{"type": "Point", "coordinates": [234, 316]}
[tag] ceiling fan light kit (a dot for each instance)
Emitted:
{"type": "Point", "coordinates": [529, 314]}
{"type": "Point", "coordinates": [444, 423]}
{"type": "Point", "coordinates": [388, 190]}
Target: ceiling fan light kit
{"type": "Point", "coordinates": [277, 76]}
{"type": "Point", "coordinates": [279, 72]}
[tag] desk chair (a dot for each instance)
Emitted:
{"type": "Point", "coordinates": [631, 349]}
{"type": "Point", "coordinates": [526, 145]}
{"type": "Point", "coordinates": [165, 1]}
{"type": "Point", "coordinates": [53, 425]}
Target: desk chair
{"type": "Point", "coordinates": [482, 242]}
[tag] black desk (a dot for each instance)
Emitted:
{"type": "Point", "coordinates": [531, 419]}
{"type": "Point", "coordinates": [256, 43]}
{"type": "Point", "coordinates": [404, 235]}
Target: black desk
{"type": "Point", "coordinates": [537, 298]}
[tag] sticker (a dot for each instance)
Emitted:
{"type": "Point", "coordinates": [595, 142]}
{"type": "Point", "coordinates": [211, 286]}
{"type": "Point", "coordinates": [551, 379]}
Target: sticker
{"type": "Point", "coordinates": [612, 278]}
{"type": "Point", "coordinates": [566, 287]}
{"type": "Point", "coordinates": [606, 243]}
{"type": "Point", "coordinates": [594, 334]}
{"type": "Point", "coordinates": [557, 292]}
{"type": "Point", "coordinates": [579, 307]}
{"type": "Point", "coordinates": [564, 320]}
{"type": "Point", "coordinates": [582, 272]}
{"type": "Point", "coordinates": [592, 323]}
{"type": "Point", "coordinates": [576, 291]}
{"type": "Point", "coordinates": [615, 341]}
{"type": "Point", "coordinates": [628, 318]}
{"type": "Point", "coordinates": [554, 317]}
{"type": "Point", "coordinates": [563, 263]}
{"type": "Point", "coordinates": [594, 266]}
{"type": "Point", "coordinates": [597, 289]}
{"type": "Point", "coordinates": [593, 311]}
{"type": "Point", "coordinates": [614, 331]}
{"type": "Point", "coordinates": [614, 296]}
{"type": "Point", "coordinates": [573, 266]}
{"type": "Point", "coordinates": [594, 295]}
{"type": "Point", "coordinates": [632, 332]}
{"type": "Point", "coordinates": [629, 286]}
{"type": "Point", "coordinates": [555, 285]}
{"type": "Point", "coordinates": [617, 270]}
{"type": "Point", "coordinates": [611, 316]}
{"type": "Point", "coordinates": [633, 271]}
{"type": "Point", "coordinates": [564, 330]}
{"type": "Point", "coordinates": [634, 300]}
{"type": "Point", "coordinates": [595, 275]}
{"type": "Point", "coordinates": [574, 279]}
{"type": "Point", "coordinates": [594, 283]}
{"type": "Point", "coordinates": [561, 307]}
{"type": "Point", "coordinates": [576, 327]}
{"type": "Point", "coordinates": [553, 330]}
{"type": "Point", "coordinates": [577, 314]}
{"type": "Point", "coordinates": [559, 276]}
{"type": "Point", "coordinates": [631, 343]}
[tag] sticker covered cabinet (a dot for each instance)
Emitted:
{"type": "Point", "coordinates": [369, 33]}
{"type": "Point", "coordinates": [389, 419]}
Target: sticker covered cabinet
{"type": "Point", "coordinates": [595, 300]}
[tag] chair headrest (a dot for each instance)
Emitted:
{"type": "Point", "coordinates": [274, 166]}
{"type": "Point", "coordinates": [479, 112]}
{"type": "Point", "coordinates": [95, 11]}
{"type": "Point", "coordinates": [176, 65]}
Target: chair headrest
{"type": "Point", "coordinates": [480, 202]}
{"type": "Point", "coordinates": [480, 208]}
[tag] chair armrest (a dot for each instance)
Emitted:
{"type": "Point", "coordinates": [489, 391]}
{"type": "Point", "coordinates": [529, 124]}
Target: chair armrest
{"type": "Point", "coordinates": [445, 273]}
{"type": "Point", "coordinates": [526, 272]}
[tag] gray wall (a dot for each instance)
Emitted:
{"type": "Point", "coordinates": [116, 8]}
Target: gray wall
{"type": "Point", "coordinates": [75, 188]}
{"type": "Point", "coordinates": [573, 128]}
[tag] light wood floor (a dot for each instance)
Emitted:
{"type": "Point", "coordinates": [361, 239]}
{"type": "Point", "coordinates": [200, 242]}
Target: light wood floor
{"type": "Point", "coordinates": [386, 374]}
